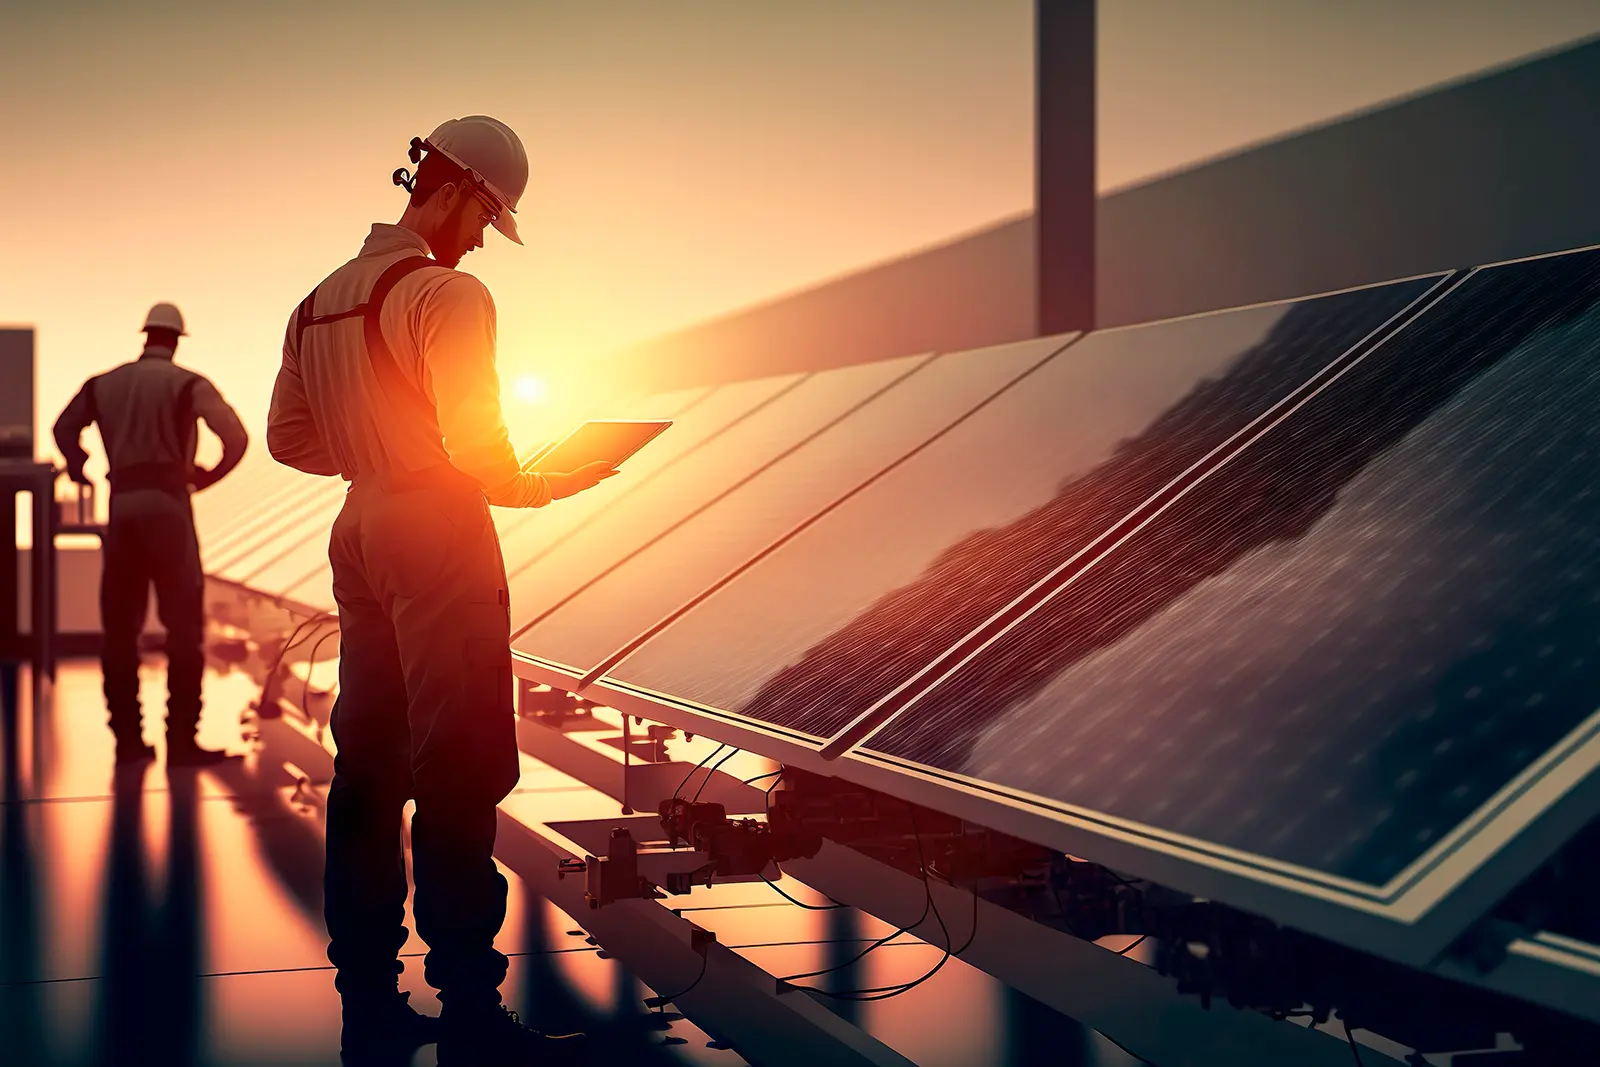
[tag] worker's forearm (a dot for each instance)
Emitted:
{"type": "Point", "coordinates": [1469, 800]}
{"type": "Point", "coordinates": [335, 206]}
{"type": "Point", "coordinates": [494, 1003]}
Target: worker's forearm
{"type": "Point", "coordinates": [232, 453]}
{"type": "Point", "coordinates": [71, 449]}
{"type": "Point", "coordinates": [524, 490]}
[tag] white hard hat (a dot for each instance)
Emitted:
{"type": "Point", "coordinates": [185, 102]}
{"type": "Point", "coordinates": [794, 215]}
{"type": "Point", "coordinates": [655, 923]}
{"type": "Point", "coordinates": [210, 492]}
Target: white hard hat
{"type": "Point", "coordinates": [165, 317]}
{"type": "Point", "coordinates": [491, 151]}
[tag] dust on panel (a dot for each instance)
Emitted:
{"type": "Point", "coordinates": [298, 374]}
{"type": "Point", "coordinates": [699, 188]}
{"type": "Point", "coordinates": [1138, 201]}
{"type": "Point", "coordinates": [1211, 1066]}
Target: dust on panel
{"type": "Point", "coordinates": [634, 595]}
{"type": "Point", "coordinates": [839, 617]}
{"type": "Point", "coordinates": [1351, 636]}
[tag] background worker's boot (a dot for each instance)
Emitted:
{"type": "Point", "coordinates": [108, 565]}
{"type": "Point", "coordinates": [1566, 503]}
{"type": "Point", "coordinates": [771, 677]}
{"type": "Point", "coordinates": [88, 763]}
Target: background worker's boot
{"type": "Point", "coordinates": [384, 1030]}
{"type": "Point", "coordinates": [183, 718]}
{"type": "Point", "coordinates": [133, 750]}
{"type": "Point", "coordinates": [495, 1037]}
{"type": "Point", "coordinates": [183, 752]}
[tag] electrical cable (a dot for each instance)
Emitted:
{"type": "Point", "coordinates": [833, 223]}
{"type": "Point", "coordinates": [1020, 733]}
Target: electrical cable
{"type": "Point", "coordinates": [709, 774]}
{"type": "Point", "coordinates": [757, 778]}
{"type": "Point", "coordinates": [800, 903]}
{"type": "Point", "coordinates": [662, 1002]}
{"type": "Point", "coordinates": [311, 665]}
{"type": "Point", "coordinates": [295, 640]}
{"type": "Point", "coordinates": [677, 794]}
{"type": "Point", "coordinates": [1350, 1036]}
{"type": "Point", "coordinates": [886, 992]}
{"type": "Point", "coordinates": [1132, 945]}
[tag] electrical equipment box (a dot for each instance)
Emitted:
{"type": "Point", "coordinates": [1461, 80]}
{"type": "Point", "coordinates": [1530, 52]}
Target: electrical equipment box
{"type": "Point", "coordinates": [16, 393]}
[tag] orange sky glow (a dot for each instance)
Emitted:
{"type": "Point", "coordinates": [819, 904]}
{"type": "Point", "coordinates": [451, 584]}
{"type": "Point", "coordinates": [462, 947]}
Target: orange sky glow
{"type": "Point", "coordinates": [688, 159]}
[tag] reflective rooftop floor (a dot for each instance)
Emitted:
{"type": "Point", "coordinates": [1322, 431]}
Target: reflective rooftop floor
{"type": "Point", "coordinates": [176, 919]}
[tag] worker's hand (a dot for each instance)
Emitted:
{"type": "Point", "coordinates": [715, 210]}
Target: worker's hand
{"type": "Point", "coordinates": [200, 478]}
{"type": "Point", "coordinates": [585, 477]}
{"type": "Point", "coordinates": [77, 475]}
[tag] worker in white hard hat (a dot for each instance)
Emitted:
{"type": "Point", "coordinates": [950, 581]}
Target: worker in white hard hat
{"type": "Point", "coordinates": [388, 381]}
{"type": "Point", "coordinates": [147, 411]}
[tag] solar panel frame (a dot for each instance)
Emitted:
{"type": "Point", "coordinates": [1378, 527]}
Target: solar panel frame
{"type": "Point", "coordinates": [1412, 922]}
{"type": "Point", "coordinates": [1412, 917]}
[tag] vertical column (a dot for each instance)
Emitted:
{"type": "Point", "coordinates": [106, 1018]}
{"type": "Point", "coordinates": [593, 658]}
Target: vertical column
{"type": "Point", "coordinates": [11, 568]}
{"type": "Point", "coordinates": [1064, 177]}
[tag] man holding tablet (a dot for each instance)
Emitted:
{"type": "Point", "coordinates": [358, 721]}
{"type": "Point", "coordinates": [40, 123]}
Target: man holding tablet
{"type": "Point", "coordinates": [388, 380]}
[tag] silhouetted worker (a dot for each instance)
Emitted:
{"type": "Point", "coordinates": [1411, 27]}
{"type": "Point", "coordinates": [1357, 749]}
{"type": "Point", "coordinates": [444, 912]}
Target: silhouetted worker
{"type": "Point", "coordinates": [147, 412]}
{"type": "Point", "coordinates": [388, 380]}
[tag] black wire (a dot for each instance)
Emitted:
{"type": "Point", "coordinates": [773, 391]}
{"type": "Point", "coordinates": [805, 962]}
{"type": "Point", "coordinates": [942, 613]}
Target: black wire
{"type": "Point", "coordinates": [876, 944]}
{"type": "Point", "coordinates": [709, 774]}
{"type": "Point", "coordinates": [662, 1002]}
{"type": "Point", "coordinates": [311, 665]}
{"type": "Point", "coordinates": [885, 992]}
{"type": "Point", "coordinates": [295, 640]}
{"type": "Point", "coordinates": [800, 903]}
{"type": "Point", "coordinates": [677, 793]}
{"type": "Point", "coordinates": [1350, 1036]}
{"type": "Point", "coordinates": [1132, 945]}
{"type": "Point", "coordinates": [757, 778]}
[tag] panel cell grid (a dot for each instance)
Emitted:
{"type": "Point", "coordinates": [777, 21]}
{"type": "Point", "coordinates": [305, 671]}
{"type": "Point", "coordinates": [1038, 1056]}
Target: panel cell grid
{"type": "Point", "coordinates": [841, 616]}
{"type": "Point", "coordinates": [1348, 638]}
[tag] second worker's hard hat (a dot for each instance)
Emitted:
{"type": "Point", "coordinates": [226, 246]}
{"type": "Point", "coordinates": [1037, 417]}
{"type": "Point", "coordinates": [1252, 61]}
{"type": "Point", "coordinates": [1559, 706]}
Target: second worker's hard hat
{"type": "Point", "coordinates": [493, 154]}
{"type": "Point", "coordinates": [165, 317]}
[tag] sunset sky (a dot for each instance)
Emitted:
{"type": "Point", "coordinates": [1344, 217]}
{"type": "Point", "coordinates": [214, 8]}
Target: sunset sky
{"type": "Point", "coordinates": [689, 158]}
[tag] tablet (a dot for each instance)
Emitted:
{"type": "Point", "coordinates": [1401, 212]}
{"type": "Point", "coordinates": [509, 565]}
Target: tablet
{"type": "Point", "coordinates": [610, 440]}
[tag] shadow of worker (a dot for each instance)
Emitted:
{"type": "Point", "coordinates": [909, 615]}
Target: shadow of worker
{"type": "Point", "coordinates": [150, 1009]}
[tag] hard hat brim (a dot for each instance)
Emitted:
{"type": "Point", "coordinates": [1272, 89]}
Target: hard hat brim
{"type": "Point", "coordinates": [506, 223]}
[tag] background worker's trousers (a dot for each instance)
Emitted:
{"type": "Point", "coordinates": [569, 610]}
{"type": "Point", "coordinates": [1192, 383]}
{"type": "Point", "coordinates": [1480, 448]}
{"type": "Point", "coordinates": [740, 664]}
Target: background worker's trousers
{"type": "Point", "coordinates": [425, 712]}
{"type": "Point", "coordinates": [150, 539]}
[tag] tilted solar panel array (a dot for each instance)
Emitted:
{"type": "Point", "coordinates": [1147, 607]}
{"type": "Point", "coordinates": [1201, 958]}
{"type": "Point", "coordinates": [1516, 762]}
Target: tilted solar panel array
{"type": "Point", "coordinates": [1293, 605]}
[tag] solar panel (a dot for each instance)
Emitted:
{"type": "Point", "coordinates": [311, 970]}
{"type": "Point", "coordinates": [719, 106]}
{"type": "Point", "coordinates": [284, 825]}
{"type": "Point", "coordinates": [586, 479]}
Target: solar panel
{"type": "Point", "coordinates": [639, 591]}
{"type": "Point", "coordinates": [261, 501]}
{"type": "Point", "coordinates": [680, 495]}
{"type": "Point", "coordinates": [699, 423]}
{"type": "Point", "coordinates": [1347, 640]}
{"type": "Point", "coordinates": [840, 616]}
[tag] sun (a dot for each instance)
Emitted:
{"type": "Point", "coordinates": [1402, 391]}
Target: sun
{"type": "Point", "coordinates": [528, 389]}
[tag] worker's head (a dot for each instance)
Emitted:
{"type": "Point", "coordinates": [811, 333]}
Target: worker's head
{"type": "Point", "coordinates": [472, 175]}
{"type": "Point", "coordinates": [163, 326]}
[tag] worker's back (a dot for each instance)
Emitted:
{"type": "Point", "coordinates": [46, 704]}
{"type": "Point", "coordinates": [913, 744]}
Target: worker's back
{"type": "Point", "coordinates": [146, 410]}
{"type": "Point", "coordinates": [368, 429]}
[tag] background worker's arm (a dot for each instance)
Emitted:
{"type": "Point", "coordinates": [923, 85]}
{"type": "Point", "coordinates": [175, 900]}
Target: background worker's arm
{"type": "Point", "coordinates": [224, 422]}
{"type": "Point", "coordinates": [292, 435]}
{"type": "Point", "coordinates": [457, 339]}
{"type": "Point", "coordinates": [69, 427]}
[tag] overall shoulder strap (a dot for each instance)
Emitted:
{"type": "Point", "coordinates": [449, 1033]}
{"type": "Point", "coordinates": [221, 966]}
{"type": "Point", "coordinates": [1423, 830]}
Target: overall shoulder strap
{"type": "Point", "coordinates": [393, 383]}
{"type": "Point", "coordinates": [399, 388]}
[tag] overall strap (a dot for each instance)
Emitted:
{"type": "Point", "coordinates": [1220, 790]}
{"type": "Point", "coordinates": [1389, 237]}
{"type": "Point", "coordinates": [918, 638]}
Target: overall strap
{"type": "Point", "coordinates": [385, 370]}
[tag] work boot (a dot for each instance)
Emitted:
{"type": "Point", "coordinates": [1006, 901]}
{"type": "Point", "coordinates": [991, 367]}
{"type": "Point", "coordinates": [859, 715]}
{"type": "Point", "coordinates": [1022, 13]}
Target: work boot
{"type": "Point", "coordinates": [188, 754]}
{"type": "Point", "coordinates": [133, 752]}
{"type": "Point", "coordinates": [495, 1037]}
{"type": "Point", "coordinates": [384, 1031]}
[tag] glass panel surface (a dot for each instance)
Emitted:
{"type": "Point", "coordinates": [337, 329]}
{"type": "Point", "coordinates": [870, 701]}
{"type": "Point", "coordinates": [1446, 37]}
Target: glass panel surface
{"type": "Point", "coordinates": [1350, 636]}
{"type": "Point", "coordinates": [843, 614]}
{"type": "Point", "coordinates": [680, 563]}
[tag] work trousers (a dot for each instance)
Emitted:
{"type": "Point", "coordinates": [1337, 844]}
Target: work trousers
{"type": "Point", "coordinates": [424, 712]}
{"type": "Point", "coordinates": [150, 539]}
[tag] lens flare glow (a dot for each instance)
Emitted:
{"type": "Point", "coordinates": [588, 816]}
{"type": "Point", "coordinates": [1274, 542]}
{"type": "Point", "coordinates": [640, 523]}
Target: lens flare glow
{"type": "Point", "coordinates": [528, 389]}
